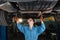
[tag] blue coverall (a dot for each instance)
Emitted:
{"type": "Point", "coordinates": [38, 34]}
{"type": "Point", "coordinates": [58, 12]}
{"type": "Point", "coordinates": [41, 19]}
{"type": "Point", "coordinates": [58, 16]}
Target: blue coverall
{"type": "Point", "coordinates": [31, 34]}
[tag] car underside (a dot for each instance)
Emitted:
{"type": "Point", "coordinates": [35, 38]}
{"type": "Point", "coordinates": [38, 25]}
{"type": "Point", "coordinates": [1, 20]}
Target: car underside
{"type": "Point", "coordinates": [31, 8]}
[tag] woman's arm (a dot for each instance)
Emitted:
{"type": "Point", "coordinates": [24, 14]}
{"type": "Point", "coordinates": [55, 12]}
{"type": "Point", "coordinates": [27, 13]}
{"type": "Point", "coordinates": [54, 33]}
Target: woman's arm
{"type": "Point", "coordinates": [19, 25]}
{"type": "Point", "coordinates": [41, 28]}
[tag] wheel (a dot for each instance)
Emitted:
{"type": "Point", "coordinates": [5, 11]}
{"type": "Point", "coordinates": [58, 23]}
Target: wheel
{"type": "Point", "coordinates": [2, 18]}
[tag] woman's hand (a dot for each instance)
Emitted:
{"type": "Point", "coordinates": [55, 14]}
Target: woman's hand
{"type": "Point", "coordinates": [18, 19]}
{"type": "Point", "coordinates": [15, 19]}
{"type": "Point", "coordinates": [41, 19]}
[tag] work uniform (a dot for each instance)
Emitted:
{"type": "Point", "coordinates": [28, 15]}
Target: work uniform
{"type": "Point", "coordinates": [31, 34]}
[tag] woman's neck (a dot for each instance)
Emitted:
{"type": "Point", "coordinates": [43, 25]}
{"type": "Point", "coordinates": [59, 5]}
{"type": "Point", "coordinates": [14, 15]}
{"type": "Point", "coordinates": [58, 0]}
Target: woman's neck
{"type": "Point", "coordinates": [31, 26]}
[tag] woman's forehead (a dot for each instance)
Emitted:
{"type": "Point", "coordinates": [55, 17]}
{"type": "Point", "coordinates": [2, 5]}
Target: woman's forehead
{"type": "Point", "coordinates": [30, 19]}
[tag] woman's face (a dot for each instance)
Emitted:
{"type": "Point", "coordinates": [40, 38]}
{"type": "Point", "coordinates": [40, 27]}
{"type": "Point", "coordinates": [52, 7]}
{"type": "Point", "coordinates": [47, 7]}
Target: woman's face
{"type": "Point", "coordinates": [30, 21]}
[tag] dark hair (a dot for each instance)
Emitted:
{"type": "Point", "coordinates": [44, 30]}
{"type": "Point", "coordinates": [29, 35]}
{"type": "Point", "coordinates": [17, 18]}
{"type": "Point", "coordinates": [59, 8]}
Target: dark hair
{"type": "Point", "coordinates": [32, 19]}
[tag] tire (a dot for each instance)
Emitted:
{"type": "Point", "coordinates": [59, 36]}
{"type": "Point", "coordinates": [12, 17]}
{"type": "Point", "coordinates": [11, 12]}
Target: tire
{"type": "Point", "coordinates": [2, 18]}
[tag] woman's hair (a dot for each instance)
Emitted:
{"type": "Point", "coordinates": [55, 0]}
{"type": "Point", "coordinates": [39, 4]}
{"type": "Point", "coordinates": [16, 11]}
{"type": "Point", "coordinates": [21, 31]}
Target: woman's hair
{"type": "Point", "coordinates": [31, 19]}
